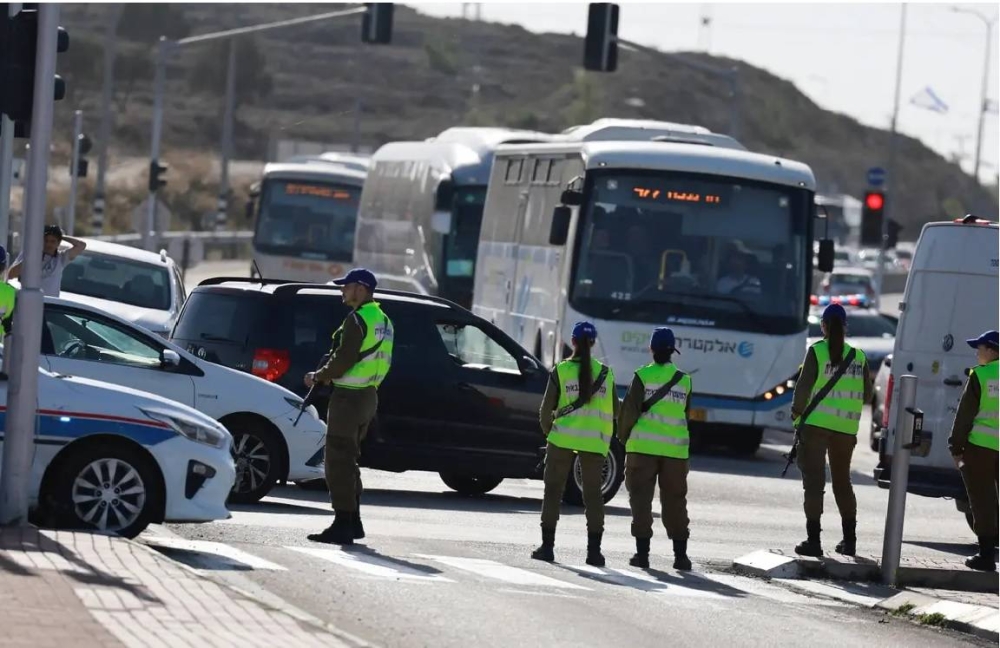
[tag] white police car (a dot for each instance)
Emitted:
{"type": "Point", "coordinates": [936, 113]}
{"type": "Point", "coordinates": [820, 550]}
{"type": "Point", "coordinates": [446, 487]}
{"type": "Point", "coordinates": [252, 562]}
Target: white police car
{"type": "Point", "coordinates": [268, 444]}
{"type": "Point", "coordinates": [117, 459]}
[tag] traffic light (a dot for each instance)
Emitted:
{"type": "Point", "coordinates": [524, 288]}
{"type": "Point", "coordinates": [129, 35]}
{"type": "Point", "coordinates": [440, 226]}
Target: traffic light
{"type": "Point", "coordinates": [893, 234]}
{"type": "Point", "coordinates": [600, 47]}
{"type": "Point", "coordinates": [872, 213]}
{"type": "Point", "coordinates": [156, 170]}
{"type": "Point", "coordinates": [81, 164]}
{"type": "Point", "coordinates": [17, 65]}
{"type": "Point", "coordinates": [376, 25]}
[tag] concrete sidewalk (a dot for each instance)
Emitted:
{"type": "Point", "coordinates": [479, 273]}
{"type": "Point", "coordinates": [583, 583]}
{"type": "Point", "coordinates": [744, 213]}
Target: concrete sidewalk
{"type": "Point", "coordinates": [60, 589]}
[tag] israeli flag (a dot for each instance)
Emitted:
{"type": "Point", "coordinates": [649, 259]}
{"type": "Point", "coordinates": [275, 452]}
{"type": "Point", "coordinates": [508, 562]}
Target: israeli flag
{"type": "Point", "coordinates": [991, 107]}
{"type": "Point", "coordinates": [928, 100]}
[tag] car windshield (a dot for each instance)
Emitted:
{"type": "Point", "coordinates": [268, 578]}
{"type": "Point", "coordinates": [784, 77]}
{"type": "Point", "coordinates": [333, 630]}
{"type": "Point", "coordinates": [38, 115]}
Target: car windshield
{"type": "Point", "coordinates": [463, 241]}
{"type": "Point", "coordinates": [850, 280]}
{"type": "Point", "coordinates": [666, 247]}
{"type": "Point", "coordinates": [307, 219]}
{"type": "Point", "coordinates": [118, 279]}
{"type": "Point", "coordinates": [868, 325]}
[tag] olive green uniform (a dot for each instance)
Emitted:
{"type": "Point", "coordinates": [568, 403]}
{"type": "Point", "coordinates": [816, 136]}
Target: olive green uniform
{"type": "Point", "coordinates": [644, 471]}
{"type": "Point", "coordinates": [349, 413]}
{"type": "Point", "coordinates": [816, 442]}
{"type": "Point", "coordinates": [980, 466]}
{"type": "Point", "coordinates": [559, 464]}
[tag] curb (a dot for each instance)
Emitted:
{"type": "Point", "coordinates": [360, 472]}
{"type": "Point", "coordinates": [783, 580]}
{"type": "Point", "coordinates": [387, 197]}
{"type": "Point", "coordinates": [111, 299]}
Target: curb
{"type": "Point", "coordinates": [803, 573]}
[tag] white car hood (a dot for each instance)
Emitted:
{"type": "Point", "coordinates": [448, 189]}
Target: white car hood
{"type": "Point", "coordinates": [157, 321]}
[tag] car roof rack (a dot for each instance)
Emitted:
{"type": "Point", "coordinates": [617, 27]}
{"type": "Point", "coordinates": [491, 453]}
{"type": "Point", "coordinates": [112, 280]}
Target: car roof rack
{"type": "Point", "coordinates": [214, 281]}
{"type": "Point", "coordinates": [292, 287]}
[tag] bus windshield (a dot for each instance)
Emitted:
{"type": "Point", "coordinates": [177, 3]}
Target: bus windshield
{"type": "Point", "coordinates": [463, 241]}
{"type": "Point", "coordinates": [305, 218]}
{"type": "Point", "coordinates": [665, 247]}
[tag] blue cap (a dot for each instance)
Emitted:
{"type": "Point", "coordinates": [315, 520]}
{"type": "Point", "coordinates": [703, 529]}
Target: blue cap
{"type": "Point", "coordinates": [361, 276]}
{"type": "Point", "coordinates": [989, 338]}
{"type": "Point", "coordinates": [663, 340]}
{"type": "Point", "coordinates": [3, 256]}
{"type": "Point", "coordinates": [834, 311]}
{"type": "Point", "coordinates": [584, 331]}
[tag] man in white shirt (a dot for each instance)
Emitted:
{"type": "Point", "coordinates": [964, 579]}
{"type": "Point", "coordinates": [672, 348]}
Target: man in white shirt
{"type": "Point", "coordinates": [737, 279]}
{"type": "Point", "coordinates": [54, 260]}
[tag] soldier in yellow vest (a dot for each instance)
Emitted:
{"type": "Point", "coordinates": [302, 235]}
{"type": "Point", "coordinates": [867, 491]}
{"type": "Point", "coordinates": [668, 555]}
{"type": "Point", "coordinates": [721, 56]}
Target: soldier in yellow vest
{"type": "Point", "coordinates": [973, 444]}
{"type": "Point", "coordinates": [359, 361]}
{"type": "Point", "coordinates": [831, 427]}
{"type": "Point", "coordinates": [653, 427]}
{"type": "Point", "coordinates": [578, 417]}
{"type": "Point", "coordinates": [8, 296]}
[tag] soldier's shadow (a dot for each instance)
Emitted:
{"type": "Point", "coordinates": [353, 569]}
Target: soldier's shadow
{"type": "Point", "coordinates": [361, 552]}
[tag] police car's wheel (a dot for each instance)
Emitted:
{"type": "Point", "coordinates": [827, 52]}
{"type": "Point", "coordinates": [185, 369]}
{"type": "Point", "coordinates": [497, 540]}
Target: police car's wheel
{"type": "Point", "coordinates": [612, 475]}
{"type": "Point", "coordinates": [467, 485]}
{"type": "Point", "coordinates": [257, 452]}
{"type": "Point", "coordinates": [114, 489]}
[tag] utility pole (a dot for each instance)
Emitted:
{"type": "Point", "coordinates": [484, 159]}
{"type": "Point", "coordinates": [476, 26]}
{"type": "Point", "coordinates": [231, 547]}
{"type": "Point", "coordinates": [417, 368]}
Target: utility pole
{"type": "Point", "coordinates": [22, 393]}
{"type": "Point", "coordinates": [6, 159]}
{"type": "Point", "coordinates": [73, 172]}
{"type": "Point", "coordinates": [104, 134]}
{"type": "Point", "coordinates": [890, 167]}
{"type": "Point", "coordinates": [227, 138]}
{"type": "Point", "coordinates": [164, 48]}
{"type": "Point", "coordinates": [983, 101]}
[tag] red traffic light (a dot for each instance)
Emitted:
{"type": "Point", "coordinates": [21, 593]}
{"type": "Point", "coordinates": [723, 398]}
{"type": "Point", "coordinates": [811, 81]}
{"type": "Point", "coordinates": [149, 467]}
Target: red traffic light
{"type": "Point", "coordinates": [874, 201]}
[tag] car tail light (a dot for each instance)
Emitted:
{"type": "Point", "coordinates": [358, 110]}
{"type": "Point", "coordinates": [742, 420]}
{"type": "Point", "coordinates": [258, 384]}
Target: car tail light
{"type": "Point", "coordinates": [888, 403]}
{"type": "Point", "coordinates": [271, 364]}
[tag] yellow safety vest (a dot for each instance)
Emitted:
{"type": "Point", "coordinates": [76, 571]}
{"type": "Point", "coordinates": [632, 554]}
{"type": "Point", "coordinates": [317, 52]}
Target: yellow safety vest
{"type": "Point", "coordinates": [375, 358]}
{"type": "Point", "coordinates": [840, 410]}
{"type": "Point", "coordinates": [663, 430]}
{"type": "Point", "coordinates": [984, 427]}
{"type": "Point", "coordinates": [8, 299]}
{"type": "Point", "coordinates": [589, 428]}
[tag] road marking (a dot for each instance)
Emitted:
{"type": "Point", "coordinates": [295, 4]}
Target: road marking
{"type": "Point", "coordinates": [643, 581]}
{"type": "Point", "coordinates": [501, 572]}
{"type": "Point", "coordinates": [203, 554]}
{"type": "Point", "coordinates": [372, 565]}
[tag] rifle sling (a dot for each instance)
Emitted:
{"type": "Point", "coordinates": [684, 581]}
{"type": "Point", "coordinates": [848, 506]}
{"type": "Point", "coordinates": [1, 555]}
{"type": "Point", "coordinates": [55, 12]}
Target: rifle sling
{"type": "Point", "coordinates": [578, 403]}
{"type": "Point", "coordinates": [658, 395]}
{"type": "Point", "coordinates": [821, 394]}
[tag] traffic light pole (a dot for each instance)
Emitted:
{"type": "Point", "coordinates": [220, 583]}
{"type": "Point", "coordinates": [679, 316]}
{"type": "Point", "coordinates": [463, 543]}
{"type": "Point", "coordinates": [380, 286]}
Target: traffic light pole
{"type": "Point", "coordinates": [22, 388]}
{"type": "Point", "coordinates": [891, 165]}
{"type": "Point", "coordinates": [6, 159]}
{"type": "Point", "coordinates": [163, 50]}
{"type": "Point", "coordinates": [104, 134]}
{"type": "Point", "coordinates": [227, 138]}
{"type": "Point", "coordinates": [74, 172]}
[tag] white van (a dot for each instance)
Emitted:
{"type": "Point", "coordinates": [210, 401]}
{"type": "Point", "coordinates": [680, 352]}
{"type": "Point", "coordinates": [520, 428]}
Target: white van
{"type": "Point", "coordinates": [950, 297]}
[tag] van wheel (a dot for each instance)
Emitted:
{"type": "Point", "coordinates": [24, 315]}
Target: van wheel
{"type": "Point", "coordinates": [110, 488]}
{"type": "Point", "coordinates": [612, 476]}
{"type": "Point", "coordinates": [257, 453]}
{"type": "Point", "coordinates": [468, 485]}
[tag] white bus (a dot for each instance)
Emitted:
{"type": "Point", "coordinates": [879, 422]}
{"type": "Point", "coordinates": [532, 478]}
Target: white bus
{"type": "Point", "coordinates": [305, 219]}
{"type": "Point", "coordinates": [421, 208]}
{"type": "Point", "coordinates": [678, 227]}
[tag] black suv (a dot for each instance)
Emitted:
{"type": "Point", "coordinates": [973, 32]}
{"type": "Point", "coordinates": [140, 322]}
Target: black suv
{"type": "Point", "coordinates": [461, 399]}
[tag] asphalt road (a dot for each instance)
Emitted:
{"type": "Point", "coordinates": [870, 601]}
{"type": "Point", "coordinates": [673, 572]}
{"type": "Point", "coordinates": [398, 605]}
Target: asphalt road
{"type": "Point", "coordinates": [442, 570]}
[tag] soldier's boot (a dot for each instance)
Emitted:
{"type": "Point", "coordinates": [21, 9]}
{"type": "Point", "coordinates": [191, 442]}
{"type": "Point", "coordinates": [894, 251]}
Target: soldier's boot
{"type": "Point", "coordinates": [983, 561]}
{"type": "Point", "coordinates": [545, 552]}
{"type": "Point", "coordinates": [848, 546]}
{"type": "Point", "coordinates": [594, 556]}
{"type": "Point", "coordinates": [641, 557]}
{"type": "Point", "coordinates": [811, 546]}
{"type": "Point", "coordinates": [341, 532]}
{"type": "Point", "coordinates": [359, 529]}
{"type": "Point", "coordinates": [681, 560]}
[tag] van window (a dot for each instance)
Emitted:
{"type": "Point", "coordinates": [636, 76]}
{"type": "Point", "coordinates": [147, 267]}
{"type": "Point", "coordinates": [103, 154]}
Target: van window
{"type": "Point", "coordinates": [217, 317]}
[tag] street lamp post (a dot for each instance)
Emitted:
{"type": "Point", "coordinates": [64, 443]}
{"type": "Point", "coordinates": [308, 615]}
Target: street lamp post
{"type": "Point", "coordinates": [990, 23]}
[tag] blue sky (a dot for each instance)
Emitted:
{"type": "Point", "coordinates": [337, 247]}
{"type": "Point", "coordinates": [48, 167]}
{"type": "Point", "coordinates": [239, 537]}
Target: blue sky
{"type": "Point", "coordinates": [843, 55]}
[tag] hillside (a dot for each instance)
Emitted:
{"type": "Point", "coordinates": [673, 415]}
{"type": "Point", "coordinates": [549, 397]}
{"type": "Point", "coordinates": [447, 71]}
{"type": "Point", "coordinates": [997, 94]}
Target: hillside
{"type": "Point", "coordinates": [302, 82]}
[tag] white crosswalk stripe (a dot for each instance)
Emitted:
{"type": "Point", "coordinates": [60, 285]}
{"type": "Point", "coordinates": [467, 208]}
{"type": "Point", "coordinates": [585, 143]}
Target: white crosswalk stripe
{"type": "Point", "coordinates": [211, 555]}
{"type": "Point", "coordinates": [372, 565]}
{"type": "Point", "coordinates": [499, 571]}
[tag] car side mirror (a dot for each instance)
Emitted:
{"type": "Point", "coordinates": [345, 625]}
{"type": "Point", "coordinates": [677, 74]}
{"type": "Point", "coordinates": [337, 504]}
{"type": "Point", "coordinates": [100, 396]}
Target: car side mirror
{"type": "Point", "coordinates": [170, 359]}
{"type": "Point", "coordinates": [248, 210]}
{"type": "Point", "coordinates": [824, 259]}
{"type": "Point", "coordinates": [560, 225]}
{"type": "Point", "coordinates": [888, 361]}
{"type": "Point", "coordinates": [445, 195]}
{"type": "Point", "coordinates": [571, 197]}
{"type": "Point", "coordinates": [529, 366]}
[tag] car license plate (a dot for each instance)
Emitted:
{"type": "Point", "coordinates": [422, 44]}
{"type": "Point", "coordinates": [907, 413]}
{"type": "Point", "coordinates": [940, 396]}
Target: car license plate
{"type": "Point", "coordinates": [697, 414]}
